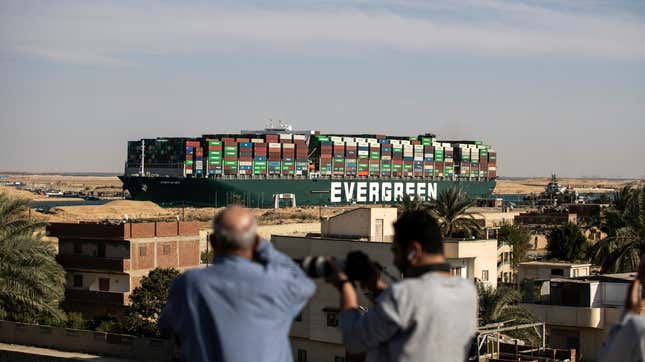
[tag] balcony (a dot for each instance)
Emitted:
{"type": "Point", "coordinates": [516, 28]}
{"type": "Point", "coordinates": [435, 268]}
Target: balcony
{"type": "Point", "coordinates": [95, 296]}
{"type": "Point", "coordinates": [94, 263]}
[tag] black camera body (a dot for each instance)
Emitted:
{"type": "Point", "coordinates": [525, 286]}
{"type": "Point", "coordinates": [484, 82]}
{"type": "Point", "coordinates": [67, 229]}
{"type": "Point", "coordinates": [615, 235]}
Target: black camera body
{"type": "Point", "coordinates": [356, 265]}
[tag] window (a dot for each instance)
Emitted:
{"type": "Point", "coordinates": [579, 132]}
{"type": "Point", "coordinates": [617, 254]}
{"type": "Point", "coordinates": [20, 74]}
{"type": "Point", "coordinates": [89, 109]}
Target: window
{"type": "Point", "coordinates": [143, 251]}
{"type": "Point", "coordinates": [78, 281]}
{"type": "Point", "coordinates": [332, 319]}
{"type": "Point", "coordinates": [100, 249]}
{"type": "Point", "coordinates": [575, 273]}
{"type": "Point", "coordinates": [339, 359]}
{"type": "Point", "coordinates": [78, 247]}
{"type": "Point", "coordinates": [165, 250]}
{"type": "Point", "coordinates": [485, 275]}
{"type": "Point", "coordinates": [104, 284]}
{"type": "Point", "coordinates": [302, 355]}
{"type": "Point", "coordinates": [557, 271]}
{"type": "Point", "coordinates": [299, 317]}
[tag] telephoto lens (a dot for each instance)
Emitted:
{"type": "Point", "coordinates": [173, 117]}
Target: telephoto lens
{"type": "Point", "coordinates": [319, 267]}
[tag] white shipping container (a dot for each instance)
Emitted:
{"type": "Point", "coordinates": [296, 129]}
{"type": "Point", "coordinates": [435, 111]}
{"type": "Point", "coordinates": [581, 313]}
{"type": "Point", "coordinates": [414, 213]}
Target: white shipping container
{"type": "Point", "coordinates": [348, 139]}
{"type": "Point", "coordinates": [418, 147]}
{"type": "Point", "coordinates": [405, 142]}
{"type": "Point", "coordinates": [246, 163]}
{"type": "Point", "coordinates": [288, 145]}
{"type": "Point", "coordinates": [274, 145]}
{"type": "Point", "coordinates": [350, 144]}
{"type": "Point", "coordinates": [386, 158]}
{"type": "Point", "coordinates": [395, 142]}
{"type": "Point", "coordinates": [299, 137]}
{"type": "Point", "coordinates": [363, 144]}
{"type": "Point", "coordinates": [285, 136]}
{"type": "Point", "coordinates": [363, 153]}
{"type": "Point", "coordinates": [418, 158]}
{"type": "Point", "coordinates": [492, 168]}
{"type": "Point", "coordinates": [336, 139]}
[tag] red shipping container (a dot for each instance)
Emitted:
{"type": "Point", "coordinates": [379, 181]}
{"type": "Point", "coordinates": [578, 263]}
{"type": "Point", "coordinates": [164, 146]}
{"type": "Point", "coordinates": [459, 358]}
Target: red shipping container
{"type": "Point", "coordinates": [243, 139]}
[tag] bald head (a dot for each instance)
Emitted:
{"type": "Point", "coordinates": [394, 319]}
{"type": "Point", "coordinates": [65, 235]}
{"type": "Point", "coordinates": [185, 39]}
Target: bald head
{"type": "Point", "coordinates": [234, 228]}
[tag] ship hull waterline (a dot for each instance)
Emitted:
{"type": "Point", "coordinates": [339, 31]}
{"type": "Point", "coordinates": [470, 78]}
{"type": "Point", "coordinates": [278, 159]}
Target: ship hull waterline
{"type": "Point", "coordinates": [218, 192]}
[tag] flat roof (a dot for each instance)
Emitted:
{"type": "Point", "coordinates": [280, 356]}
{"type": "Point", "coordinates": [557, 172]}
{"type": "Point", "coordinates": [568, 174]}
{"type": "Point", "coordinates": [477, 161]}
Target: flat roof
{"type": "Point", "coordinates": [553, 263]}
{"type": "Point", "coordinates": [349, 239]}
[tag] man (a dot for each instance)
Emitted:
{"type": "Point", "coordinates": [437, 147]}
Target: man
{"type": "Point", "coordinates": [428, 316]}
{"type": "Point", "coordinates": [626, 342]}
{"type": "Point", "coordinates": [242, 306]}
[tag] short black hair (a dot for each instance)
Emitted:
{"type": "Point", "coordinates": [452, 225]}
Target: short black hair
{"type": "Point", "coordinates": [419, 225]}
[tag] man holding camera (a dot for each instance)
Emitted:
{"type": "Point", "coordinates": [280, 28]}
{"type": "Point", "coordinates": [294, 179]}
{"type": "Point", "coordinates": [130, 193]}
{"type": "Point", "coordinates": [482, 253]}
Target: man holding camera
{"type": "Point", "coordinates": [428, 316]}
{"type": "Point", "coordinates": [242, 306]}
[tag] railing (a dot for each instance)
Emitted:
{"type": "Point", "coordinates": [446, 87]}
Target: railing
{"type": "Point", "coordinates": [95, 296]}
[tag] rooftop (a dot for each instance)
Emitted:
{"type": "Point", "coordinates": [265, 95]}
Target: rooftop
{"type": "Point", "coordinates": [553, 263]}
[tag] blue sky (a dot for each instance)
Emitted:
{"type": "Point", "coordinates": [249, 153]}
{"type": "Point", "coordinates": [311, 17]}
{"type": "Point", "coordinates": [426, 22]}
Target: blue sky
{"type": "Point", "coordinates": [553, 85]}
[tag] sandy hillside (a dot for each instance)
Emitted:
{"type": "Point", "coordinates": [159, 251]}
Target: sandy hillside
{"type": "Point", "coordinates": [536, 185]}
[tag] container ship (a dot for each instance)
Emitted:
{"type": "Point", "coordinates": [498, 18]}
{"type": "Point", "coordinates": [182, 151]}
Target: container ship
{"type": "Point", "coordinates": [278, 166]}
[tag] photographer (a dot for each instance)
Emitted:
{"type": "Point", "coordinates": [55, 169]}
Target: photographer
{"type": "Point", "coordinates": [242, 306]}
{"type": "Point", "coordinates": [428, 316]}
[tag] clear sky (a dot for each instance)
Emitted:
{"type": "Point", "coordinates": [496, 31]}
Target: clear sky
{"type": "Point", "coordinates": [552, 85]}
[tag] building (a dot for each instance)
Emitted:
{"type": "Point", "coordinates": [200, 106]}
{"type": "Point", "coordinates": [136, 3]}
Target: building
{"type": "Point", "coordinates": [539, 270]}
{"type": "Point", "coordinates": [587, 214]}
{"type": "Point", "coordinates": [546, 218]}
{"type": "Point", "coordinates": [104, 262]}
{"type": "Point", "coordinates": [579, 312]}
{"type": "Point", "coordinates": [315, 335]}
{"type": "Point", "coordinates": [365, 223]}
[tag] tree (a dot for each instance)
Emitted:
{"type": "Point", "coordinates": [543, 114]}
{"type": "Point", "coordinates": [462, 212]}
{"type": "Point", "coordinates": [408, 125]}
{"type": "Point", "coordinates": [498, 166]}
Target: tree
{"type": "Point", "coordinates": [408, 203]}
{"type": "Point", "coordinates": [450, 210]}
{"type": "Point", "coordinates": [32, 283]}
{"type": "Point", "coordinates": [147, 301]}
{"type": "Point", "coordinates": [502, 305]}
{"type": "Point", "coordinates": [624, 223]}
{"type": "Point", "coordinates": [567, 242]}
{"type": "Point", "coordinates": [519, 238]}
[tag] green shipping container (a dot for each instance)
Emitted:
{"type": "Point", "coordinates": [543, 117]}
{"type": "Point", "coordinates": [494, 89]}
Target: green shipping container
{"type": "Point", "coordinates": [189, 162]}
{"type": "Point", "coordinates": [426, 141]}
{"type": "Point", "coordinates": [230, 163]}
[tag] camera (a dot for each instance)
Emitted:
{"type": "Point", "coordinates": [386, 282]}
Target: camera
{"type": "Point", "coordinates": [357, 265]}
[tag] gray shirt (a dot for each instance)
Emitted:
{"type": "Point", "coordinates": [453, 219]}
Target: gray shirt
{"type": "Point", "coordinates": [626, 342]}
{"type": "Point", "coordinates": [429, 318]}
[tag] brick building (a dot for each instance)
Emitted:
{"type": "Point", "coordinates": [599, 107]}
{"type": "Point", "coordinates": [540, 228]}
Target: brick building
{"type": "Point", "coordinates": [547, 218]}
{"type": "Point", "coordinates": [104, 262]}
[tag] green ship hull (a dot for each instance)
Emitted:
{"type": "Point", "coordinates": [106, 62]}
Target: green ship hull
{"type": "Point", "coordinates": [261, 192]}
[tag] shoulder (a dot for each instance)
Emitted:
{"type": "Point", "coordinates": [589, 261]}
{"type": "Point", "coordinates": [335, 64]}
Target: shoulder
{"type": "Point", "coordinates": [636, 323]}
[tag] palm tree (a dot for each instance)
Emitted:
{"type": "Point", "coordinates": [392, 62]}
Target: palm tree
{"type": "Point", "coordinates": [502, 305]}
{"type": "Point", "coordinates": [408, 203]}
{"type": "Point", "coordinates": [450, 209]}
{"type": "Point", "coordinates": [624, 223]}
{"type": "Point", "coordinates": [567, 242]}
{"type": "Point", "coordinates": [31, 281]}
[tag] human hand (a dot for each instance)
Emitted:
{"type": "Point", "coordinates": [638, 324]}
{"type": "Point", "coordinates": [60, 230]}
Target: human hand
{"type": "Point", "coordinates": [337, 277]}
{"type": "Point", "coordinates": [634, 301]}
{"type": "Point", "coordinates": [374, 283]}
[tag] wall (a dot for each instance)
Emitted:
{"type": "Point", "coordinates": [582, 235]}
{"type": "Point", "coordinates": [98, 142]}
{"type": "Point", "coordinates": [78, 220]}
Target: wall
{"type": "Point", "coordinates": [316, 351]}
{"type": "Point", "coordinates": [355, 223]}
{"type": "Point", "coordinates": [388, 215]}
{"type": "Point", "coordinates": [484, 253]}
{"type": "Point", "coordinates": [113, 248]}
{"type": "Point", "coordinates": [98, 343]}
{"type": "Point", "coordinates": [119, 283]}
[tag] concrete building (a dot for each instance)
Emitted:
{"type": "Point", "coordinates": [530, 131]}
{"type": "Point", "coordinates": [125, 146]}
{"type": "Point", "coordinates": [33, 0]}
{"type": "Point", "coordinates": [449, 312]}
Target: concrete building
{"type": "Point", "coordinates": [104, 262]}
{"type": "Point", "coordinates": [546, 218]}
{"type": "Point", "coordinates": [538, 270]}
{"type": "Point", "coordinates": [579, 312]}
{"type": "Point", "coordinates": [315, 335]}
{"type": "Point", "coordinates": [366, 223]}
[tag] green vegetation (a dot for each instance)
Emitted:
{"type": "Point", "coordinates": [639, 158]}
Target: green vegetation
{"type": "Point", "coordinates": [624, 223]}
{"type": "Point", "coordinates": [518, 238]}
{"type": "Point", "coordinates": [450, 210]}
{"type": "Point", "coordinates": [32, 283]}
{"type": "Point", "coordinates": [568, 243]}
{"type": "Point", "coordinates": [502, 305]}
{"type": "Point", "coordinates": [147, 301]}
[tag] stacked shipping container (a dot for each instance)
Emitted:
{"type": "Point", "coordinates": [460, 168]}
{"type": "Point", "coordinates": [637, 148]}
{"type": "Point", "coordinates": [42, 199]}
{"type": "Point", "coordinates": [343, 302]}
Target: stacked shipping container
{"type": "Point", "coordinates": [337, 156]}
